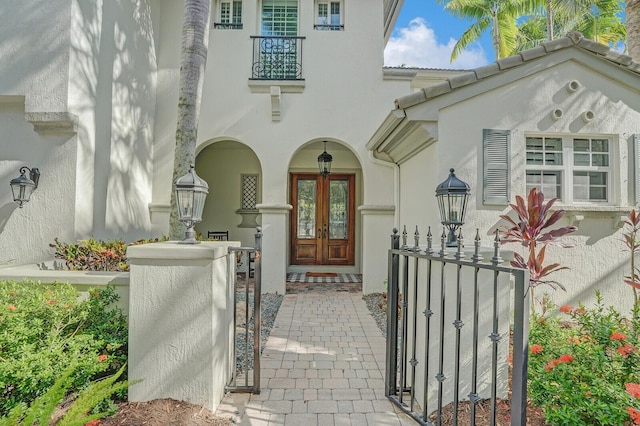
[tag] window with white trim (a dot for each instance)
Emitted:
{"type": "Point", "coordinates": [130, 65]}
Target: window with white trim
{"type": "Point", "coordinates": [279, 18]}
{"type": "Point", "coordinates": [329, 16]}
{"type": "Point", "coordinates": [570, 168]}
{"type": "Point", "coordinates": [229, 15]}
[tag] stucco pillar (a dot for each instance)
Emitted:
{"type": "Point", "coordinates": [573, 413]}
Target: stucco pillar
{"type": "Point", "coordinates": [180, 319]}
{"type": "Point", "coordinates": [377, 225]}
{"type": "Point", "coordinates": [274, 246]}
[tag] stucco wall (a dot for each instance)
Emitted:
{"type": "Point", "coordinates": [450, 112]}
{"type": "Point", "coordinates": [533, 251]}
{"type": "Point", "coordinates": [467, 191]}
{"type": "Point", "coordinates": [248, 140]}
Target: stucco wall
{"type": "Point", "coordinates": [343, 99]}
{"type": "Point", "coordinates": [25, 233]}
{"type": "Point", "coordinates": [84, 75]}
{"type": "Point", "coordinates": [112, 91]}
{"type": "Point", "coordinates": [180, 322]}
{"type": "Point", "coordinates": [35, 50]}
{"type": "Point", "coordinates": [523, 104]}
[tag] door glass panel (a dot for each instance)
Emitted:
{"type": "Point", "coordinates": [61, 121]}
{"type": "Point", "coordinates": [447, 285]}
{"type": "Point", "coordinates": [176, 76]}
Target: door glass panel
{"type": "Point", "coordinates": [338, 211]}
{"type": "Point", "coordinates": [306, 209]}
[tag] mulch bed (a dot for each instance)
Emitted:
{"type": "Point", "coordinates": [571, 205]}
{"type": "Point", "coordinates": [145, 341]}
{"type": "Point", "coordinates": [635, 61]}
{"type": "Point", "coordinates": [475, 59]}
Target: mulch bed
{"type": "Point", "coordinates": [163, 412]}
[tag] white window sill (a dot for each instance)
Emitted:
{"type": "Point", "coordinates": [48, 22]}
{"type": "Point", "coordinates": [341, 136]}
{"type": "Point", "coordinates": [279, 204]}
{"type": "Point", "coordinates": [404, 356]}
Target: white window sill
{"type": "Point", "coordinates": [577, 213]}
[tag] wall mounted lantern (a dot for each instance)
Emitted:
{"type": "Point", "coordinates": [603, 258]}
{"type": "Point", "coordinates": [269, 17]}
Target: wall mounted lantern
{"type": "Point", "coordinates": [324, 162]}
{"type": "Point", "coordinates": [452, 195]}
{"type": "Point", "coordinates": [23, 186]}
{"type": "Point", "coordinates": [191, 192]}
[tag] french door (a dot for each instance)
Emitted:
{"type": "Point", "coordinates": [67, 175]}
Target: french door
{"type": "Point", "coordinates": [323, 219]}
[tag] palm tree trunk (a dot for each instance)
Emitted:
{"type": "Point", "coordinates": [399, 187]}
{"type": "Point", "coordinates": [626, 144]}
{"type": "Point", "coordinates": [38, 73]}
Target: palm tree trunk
{"type": "Point", "coordinates": [632, 14]}
{"type": "Point", "coordinates": [195, 40]}
{"type": "Point", "coordinates": [549, 7]}
{"type": "Point", "coordinates": [495, 30]}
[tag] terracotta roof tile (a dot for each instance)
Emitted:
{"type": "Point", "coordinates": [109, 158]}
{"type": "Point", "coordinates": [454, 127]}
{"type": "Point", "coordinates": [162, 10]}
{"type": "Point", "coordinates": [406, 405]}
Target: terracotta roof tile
{"type": "Point", "coordinates": [573, 38]}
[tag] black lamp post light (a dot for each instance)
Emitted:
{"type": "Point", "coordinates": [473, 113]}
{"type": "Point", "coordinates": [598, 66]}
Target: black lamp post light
{"type": "Point", "coordinates": [23, 186]}
{"type": "Point", "coordinates": [191, 192]}
{"type": "Point", "coordinates": [324, 162]}
{"type": "Point", "coordinates": [452, 195]}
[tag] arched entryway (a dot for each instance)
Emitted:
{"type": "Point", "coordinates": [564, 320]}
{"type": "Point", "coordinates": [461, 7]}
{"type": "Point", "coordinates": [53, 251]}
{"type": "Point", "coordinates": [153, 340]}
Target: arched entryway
{"type": "Point", "coordinates": [233, 173]}
{"type": "Point", "coordinates": [324, 227]}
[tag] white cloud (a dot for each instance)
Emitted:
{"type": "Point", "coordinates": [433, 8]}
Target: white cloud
{"type": "Point", "coordinates": [418, 46]}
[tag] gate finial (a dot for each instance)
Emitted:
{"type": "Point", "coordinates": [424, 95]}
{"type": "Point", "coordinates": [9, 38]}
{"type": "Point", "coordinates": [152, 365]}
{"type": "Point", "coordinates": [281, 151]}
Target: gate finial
{"type": "Point", "coordinates": [496, 259]}
{"type": "Point", "coordinates": [476, 244]}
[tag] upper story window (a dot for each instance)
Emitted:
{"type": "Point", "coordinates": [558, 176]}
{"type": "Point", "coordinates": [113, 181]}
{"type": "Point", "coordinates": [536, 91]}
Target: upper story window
{"type": "Point", "coordinates": [229, 15]}
{"type": "Point", "coordinates": [572, 169]}
{"type": "Point", "coordinates": [329, 16]}
{"type": "Point", "coordinates": [280, 18]}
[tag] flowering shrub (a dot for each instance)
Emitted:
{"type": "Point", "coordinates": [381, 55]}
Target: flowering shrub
{"type": "Point", "coordinates": [96, 255]}
{"type": "Point", "coordinates": [583, 366]}
{"type": "Point", "coordinates": [44, 329]}
{"type": "Point", "coordinates": [92, 255]}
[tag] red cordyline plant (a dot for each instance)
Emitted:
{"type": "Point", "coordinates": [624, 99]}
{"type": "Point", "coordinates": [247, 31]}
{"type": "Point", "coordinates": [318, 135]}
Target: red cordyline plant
{"type": "Point", "coordinates": [631, 240]}
{"type": "Point", "coordinates": [531, 230]}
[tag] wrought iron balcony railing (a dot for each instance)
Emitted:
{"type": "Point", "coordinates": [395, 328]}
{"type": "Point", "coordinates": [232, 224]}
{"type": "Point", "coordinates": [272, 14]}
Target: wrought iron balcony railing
{"type": "Point", "coordinates": [328, 27]}
{"type": "Point", "coordinates": [277, 58]}
{"type": "Point", "coordinates": [228, 25]}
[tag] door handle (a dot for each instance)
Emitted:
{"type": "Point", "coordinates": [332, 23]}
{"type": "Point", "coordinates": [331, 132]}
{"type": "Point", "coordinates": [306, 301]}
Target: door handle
{"type": "Point", "coordinates": [319, 233]}
{"type": "Point", "coordinates": [324, 231]}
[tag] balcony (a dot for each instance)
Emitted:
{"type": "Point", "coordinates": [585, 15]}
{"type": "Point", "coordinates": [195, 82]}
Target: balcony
{"type": "Point", "coordinates": [277, 58]}
{"type": "Point", "coordinates": [227, 25]}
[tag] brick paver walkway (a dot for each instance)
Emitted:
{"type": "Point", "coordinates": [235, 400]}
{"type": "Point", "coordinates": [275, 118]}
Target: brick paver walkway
{"type": "Point", "coordinates": [323, 364]}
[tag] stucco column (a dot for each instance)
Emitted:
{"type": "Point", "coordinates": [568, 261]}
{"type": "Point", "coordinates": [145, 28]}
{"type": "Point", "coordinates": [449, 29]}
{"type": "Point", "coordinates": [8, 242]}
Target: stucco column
{"type": "Point", "coordinates": [180, 319]}
{"type": "Point", "coordinates": [274, 246]}
{"type": "Point", "coordinates": [377, 225]}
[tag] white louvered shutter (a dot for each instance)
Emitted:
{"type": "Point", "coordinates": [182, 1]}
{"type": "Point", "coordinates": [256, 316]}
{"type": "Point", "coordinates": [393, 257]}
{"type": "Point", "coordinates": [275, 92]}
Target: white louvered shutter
{"type": "Point", "coordinates": [496, 166]}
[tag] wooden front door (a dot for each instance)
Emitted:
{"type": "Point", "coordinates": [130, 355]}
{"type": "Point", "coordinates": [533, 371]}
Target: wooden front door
{"type": "Point", "coordinates": [323, 219]}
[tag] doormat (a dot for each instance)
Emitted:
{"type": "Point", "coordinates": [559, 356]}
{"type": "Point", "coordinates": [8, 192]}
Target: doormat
{"type": "Point", "coordinates": [310, 278]}
{"type": "Point", "coordinates": [321, 274]}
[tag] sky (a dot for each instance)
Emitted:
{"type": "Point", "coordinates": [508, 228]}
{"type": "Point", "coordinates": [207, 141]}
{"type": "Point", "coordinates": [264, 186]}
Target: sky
{"type": "Point", "coordinates": [424, 37]}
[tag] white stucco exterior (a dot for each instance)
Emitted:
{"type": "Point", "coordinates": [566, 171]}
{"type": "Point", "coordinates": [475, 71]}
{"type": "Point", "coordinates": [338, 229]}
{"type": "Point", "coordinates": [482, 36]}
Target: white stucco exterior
{"type": "Point", "coordinates": [180, 335]}
{"type": "Point", "coordinates": [519, 95]}
{"type": "Point", "coordinates": [78, 102]}
{"type": "Point", "coordinates": [89, 96]}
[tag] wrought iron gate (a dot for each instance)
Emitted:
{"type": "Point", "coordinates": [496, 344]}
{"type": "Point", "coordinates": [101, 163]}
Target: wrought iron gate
{"type": "Point", "coordinates": [247, 283]}
{"type": "Point", "coordinates": [429, 287]}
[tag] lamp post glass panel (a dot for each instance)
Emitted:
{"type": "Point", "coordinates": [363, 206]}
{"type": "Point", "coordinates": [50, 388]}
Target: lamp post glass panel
{"type": "Point", "coordinates": [452, 195]}
{"type": "Point", "coordinates": [23, 186]}
{"type": "Point", "coordinates": [191, 192]}
{"type": "Point", "coordinates": [324, 162]}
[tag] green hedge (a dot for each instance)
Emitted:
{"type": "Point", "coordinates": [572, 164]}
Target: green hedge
{"type": "Point", "coordinates": [45, 329]}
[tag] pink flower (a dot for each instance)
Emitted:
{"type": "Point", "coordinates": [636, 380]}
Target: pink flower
{"type": "Point", "coordinates": [633, 389]}
{"type": "Point", "coordinates": [535, 349]}
{"type": "Point", "coordinates": [12, 307]}
{"type": "Point", "coordinates": [635, 415]}
{"type": "Point", "coordinates": [565, 309]}
{"type": "Point", "coordinates": [551, 365]}
{"type": "Point", "coordinates": [103, 358]}
{"type": "Point", "coordinates": [627, 349]}
{"type": "Point", "coordinates": [566, 358]}
{"type": "Point", "coordinates": [616, 335]}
